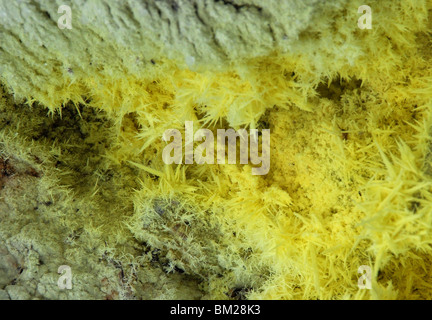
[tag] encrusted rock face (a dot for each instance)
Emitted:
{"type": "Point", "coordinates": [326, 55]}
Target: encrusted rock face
{"type": "Point", "coordinates": [44, 225]}
{"type": "Point", "coordinates": [209, 31]}
{"type": "Point", "coordinates": [127, 35]}
{"type": "Point", "coordinates": [83, 184]}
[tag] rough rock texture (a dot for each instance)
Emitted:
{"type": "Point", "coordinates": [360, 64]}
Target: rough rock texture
{"type": "Point", "coordinates": [127, 35]}
{"type": "Point", "coordinates": [82, 181]}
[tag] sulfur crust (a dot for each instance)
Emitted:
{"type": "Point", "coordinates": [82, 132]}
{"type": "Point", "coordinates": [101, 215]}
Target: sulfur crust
{"type": "Point", "coordinates": [350, 182]}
